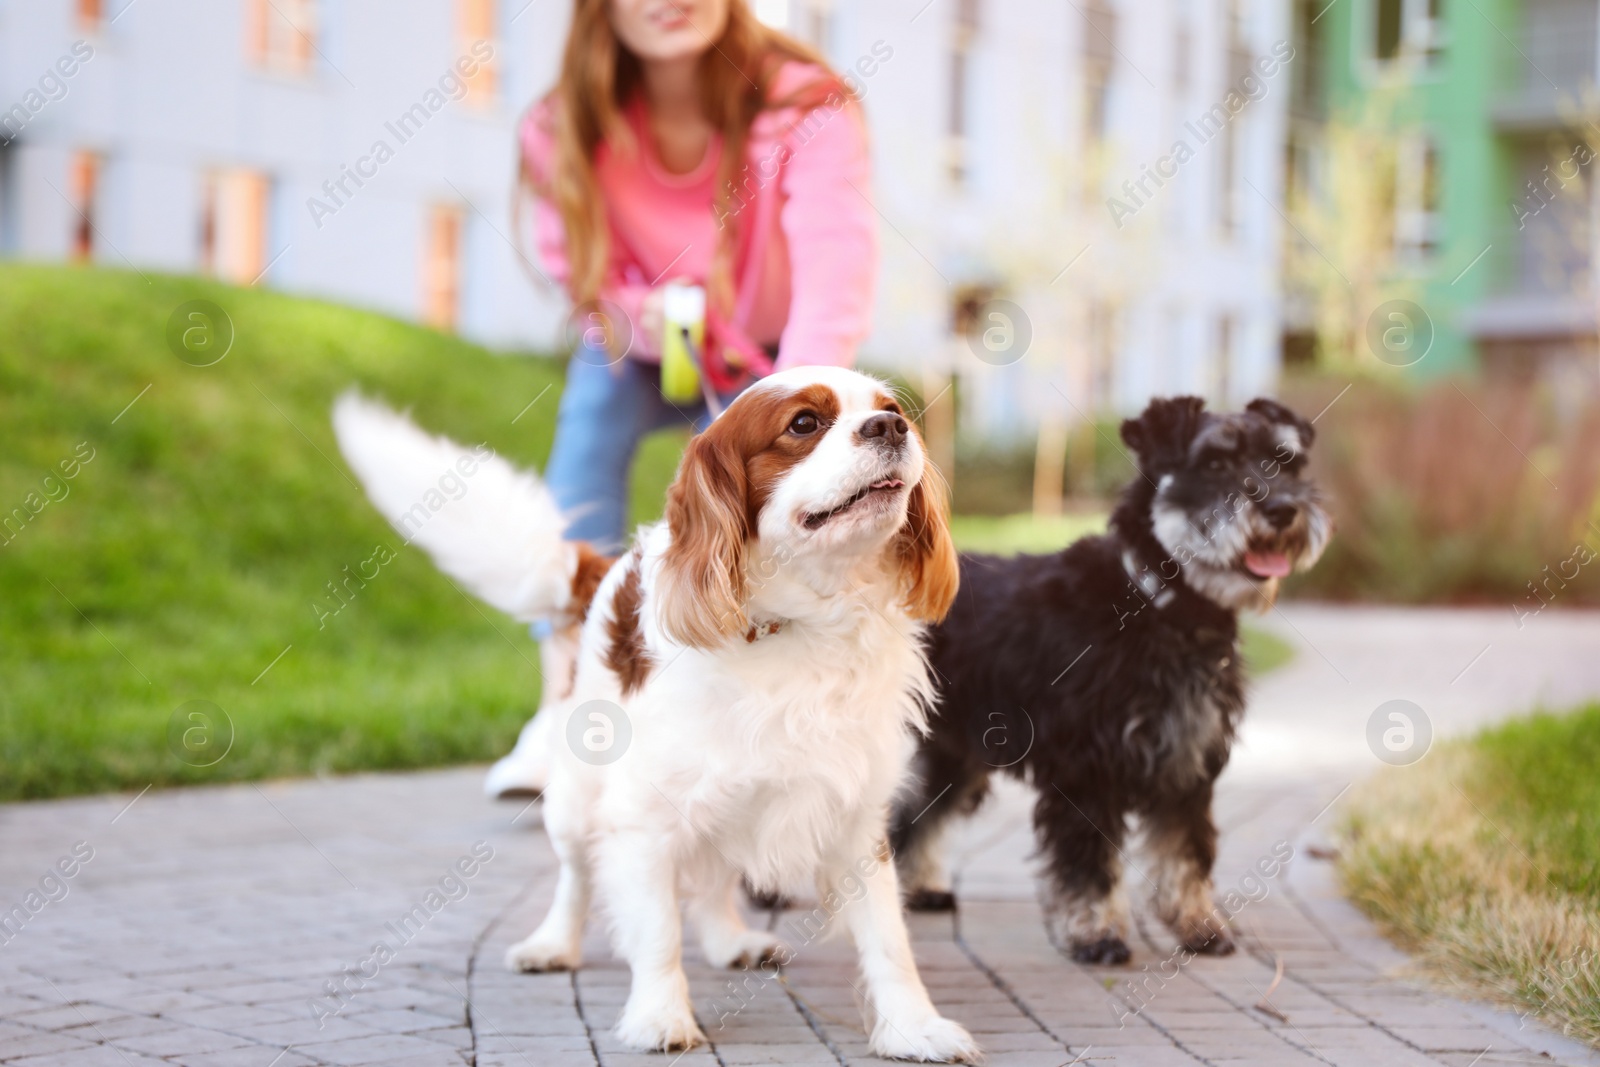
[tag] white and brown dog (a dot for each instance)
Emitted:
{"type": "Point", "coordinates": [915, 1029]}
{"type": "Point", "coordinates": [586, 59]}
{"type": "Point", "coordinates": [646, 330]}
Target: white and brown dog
{"type": "Point", "coordinates": [762, 646]}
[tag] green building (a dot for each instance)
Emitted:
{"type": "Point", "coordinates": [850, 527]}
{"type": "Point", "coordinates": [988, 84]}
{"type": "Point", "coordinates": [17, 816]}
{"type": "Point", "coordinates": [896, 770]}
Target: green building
{"type": "Point", "coordinates": [1484, 112]}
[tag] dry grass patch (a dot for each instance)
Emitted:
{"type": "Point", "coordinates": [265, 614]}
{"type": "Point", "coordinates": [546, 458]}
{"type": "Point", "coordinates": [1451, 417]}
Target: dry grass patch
{"type": "Point", "coordinates": [1484, 860]}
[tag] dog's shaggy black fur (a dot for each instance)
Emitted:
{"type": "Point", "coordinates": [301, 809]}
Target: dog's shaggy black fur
{"type": "Point", "coordinates": [1108, 674]}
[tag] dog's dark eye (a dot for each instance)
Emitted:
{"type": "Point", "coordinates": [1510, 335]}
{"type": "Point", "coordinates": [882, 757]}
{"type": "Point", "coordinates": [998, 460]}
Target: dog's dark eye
{"type": "Point", "coordinates": [804, 424]}
{"type": "Point", "coordinates": [1215, 463]}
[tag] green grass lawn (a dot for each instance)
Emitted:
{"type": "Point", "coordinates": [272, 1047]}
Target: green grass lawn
{"type": "Point", "coordinates": [189, 555]}
{"type": "Point", "coordinates": [1484, 859]}
{"type": "Point", "coordinates": [190, 550]}
{"type": "Point", "coordinates": [1007, 535]}
{"type": "Point", "coordinates": [1540, 778]}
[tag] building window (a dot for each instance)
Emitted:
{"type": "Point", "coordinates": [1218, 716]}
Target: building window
{"type": "Point", "coordinates": [1227, 172]}
{"type": "Point", "coordinates": [1228, 144]}
{"type": "Point", "coordinates": [1557, 48]}
{"type": "Point", "coordinates": [234, 225]}
{"type": "Point", "coordinates": [283, 35]}
{"type": "Point", "coordinates": [1097, 43]}
{"type": "Point", "coordinates": [1169, 363]}
{"type": "Point", "coordinates": [83, 189]}
{"type": "Point", "coordinates": [91, 14]}
{"type": "Point", "coordinates": [1220, 386]}
{"type": "Point", "coordinates": [1099, 52]}
{"type": "Point", "coordinates": [441, 268]}
{"type": "Point", "coordinates": [477, 24]}
{"type": "Point", "coordinates": [1406, 28]}
{"type": "Point", "coordinates": [1416, 200]}
{"type": "Point", "coordinates": [1307, 80]}
{"type": "Point", "coordinates": [1102, 354]}
{"type": "Point", "coordinates": [1182, 56]}
{"type": "Point", "coordinates": [816, 25]}
{"type": "Point", "coordinates": [1552, 215]}
{"type": "Point", "coordinates": [962, 40]}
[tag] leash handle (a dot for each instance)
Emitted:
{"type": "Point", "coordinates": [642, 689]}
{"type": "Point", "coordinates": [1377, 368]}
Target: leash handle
{"type": "Point", "coordinates": [713, 402]}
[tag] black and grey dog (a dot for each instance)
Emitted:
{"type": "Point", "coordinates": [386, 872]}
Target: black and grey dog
{"type": "Point", "coordinates": [1108, 675]}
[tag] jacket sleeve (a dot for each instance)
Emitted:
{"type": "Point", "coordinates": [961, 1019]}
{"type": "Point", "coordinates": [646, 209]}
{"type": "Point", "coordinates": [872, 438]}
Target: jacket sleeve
{"type": "Point", "coordinates": [829, 225]}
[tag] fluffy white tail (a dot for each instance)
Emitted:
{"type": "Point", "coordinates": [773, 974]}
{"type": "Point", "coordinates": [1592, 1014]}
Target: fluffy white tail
{"type": "Point", "coordinates": [491, 527]}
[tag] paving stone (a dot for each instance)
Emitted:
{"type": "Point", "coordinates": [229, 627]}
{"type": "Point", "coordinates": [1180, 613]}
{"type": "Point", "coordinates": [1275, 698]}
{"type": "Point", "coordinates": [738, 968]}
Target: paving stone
{"type": "Point", "coordinates": [1466, 1038]}
{"type": "Point", "coordinates": [98, 1056]}
{"type": "Point", "coordinates": [379, 1048]}
{"type": "Point", "coordinates": [1389, 1056]}
{"type": "Point", "coordinates": [801, 1054]}
{"type": "Point", "coordinates": [120, 1027]}
{"type": "Point", "coordinates": [181, 1040]}
{"type": "Point", "coordinates": [513, 1059]}
{"type": "Point", "coordinates": [248, 1056]}
{"type": "Point", "coordinates": [41, 1042]}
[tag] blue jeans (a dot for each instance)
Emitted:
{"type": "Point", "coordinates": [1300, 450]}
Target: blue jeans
{"type": "Point", "coordinates": [605, 412]}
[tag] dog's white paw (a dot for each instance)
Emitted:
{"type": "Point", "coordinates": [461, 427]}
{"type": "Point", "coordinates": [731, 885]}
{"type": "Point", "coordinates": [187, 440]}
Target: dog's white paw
{"type": "Point", "coordinates": [750, 949]}
{"type": "Point", "coordinates": [933, 1039]}
{"type": "Point", "coordinates": [535, 953]}
{"type": "Point", "coordinates": [659, 1028]}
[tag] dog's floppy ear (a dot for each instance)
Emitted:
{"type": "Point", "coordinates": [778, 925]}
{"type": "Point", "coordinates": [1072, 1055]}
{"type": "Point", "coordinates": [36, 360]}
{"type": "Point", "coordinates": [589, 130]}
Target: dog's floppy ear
{"type": "Point", "coordinates": [1161, 435]}
{"type": "Point", "coordinates": [926, 552]}
{"type": "Point", "coordinates": [701, 587]}
{"type": "Point", "coordinates": [1273, 411]}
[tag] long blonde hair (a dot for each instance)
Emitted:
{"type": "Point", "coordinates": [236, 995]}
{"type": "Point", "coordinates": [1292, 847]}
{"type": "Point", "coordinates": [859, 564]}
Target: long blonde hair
{"type": "Point", "coordinates": [599, 77]}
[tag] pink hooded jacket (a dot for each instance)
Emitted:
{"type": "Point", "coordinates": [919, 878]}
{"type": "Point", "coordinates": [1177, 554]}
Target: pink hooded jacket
{"type": "Point", "coordinates": [806, 257]}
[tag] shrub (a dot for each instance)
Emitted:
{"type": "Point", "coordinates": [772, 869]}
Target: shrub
{"type": "Point", "coordinates": [1455, 492]}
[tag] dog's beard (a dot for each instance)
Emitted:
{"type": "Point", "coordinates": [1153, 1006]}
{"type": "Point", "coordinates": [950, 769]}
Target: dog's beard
{"type": "Point", "coordinates": [1238, 559]}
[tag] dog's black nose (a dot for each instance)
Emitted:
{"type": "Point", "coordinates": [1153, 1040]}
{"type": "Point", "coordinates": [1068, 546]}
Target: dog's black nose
{"type": "Point", "coordinates": [1280, 513]}
{"type": "Point", "coordinates": [885, 425]}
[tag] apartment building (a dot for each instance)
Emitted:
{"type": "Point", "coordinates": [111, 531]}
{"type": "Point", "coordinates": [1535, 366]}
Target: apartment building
{"type": "Point", "coordinates": [1489, 112]}
{"type": "Point", "coordinates": [356, 150]}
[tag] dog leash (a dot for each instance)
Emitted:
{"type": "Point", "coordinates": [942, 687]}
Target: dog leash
{"type": "Point", "coordinates": [713, 402]}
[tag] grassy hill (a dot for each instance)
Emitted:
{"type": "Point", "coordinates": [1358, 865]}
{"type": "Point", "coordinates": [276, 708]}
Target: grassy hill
{"type": "Point", "coordinates": [188, 551]}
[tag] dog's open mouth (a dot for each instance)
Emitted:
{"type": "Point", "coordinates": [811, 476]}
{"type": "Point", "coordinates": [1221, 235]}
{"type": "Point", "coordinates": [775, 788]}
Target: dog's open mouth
{"type": "Point", "coordinates": [815, 519]}
{"type": "Point", "coordinates": [1263, 561]}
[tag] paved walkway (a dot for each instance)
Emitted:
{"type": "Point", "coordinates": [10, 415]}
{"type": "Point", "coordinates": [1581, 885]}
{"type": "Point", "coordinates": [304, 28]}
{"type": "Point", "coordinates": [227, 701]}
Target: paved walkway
{"type": "Point", "coordinates": [209, 925]}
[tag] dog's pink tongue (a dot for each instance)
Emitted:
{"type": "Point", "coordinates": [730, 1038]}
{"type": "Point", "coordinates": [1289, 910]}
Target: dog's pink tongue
{"type": "Point", "coordinates": [1267, 564]}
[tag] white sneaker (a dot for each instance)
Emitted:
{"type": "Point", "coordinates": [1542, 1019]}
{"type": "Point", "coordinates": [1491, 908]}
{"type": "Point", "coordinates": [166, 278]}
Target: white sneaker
{"type": "Point", "coordinates": [526, 769]}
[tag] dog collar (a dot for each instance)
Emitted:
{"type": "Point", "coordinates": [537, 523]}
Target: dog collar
{"type": "Point", "coordinates": [762, 629]}
{"type": "Point", "coordinates": [1151, 586]}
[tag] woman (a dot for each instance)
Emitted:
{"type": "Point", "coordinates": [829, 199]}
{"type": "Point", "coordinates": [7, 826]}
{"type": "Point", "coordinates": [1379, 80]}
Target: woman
{"type": "Point", "coordinates": [688, 142]}
{"type": "Point", "coordinates": [685, 143]}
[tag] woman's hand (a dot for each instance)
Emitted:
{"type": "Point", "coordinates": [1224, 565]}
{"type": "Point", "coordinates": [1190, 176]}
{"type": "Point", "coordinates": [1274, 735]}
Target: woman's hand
{"type": "Point", "coordinates": [650, 322]}
{"type": "Point", "coordinates": [652, 319]}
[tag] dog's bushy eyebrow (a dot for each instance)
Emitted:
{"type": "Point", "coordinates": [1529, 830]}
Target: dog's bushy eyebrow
{"type": "Point", "coordinates": [1220, 437]}
{"type": "Point", "coordinates": [1296, 447]}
